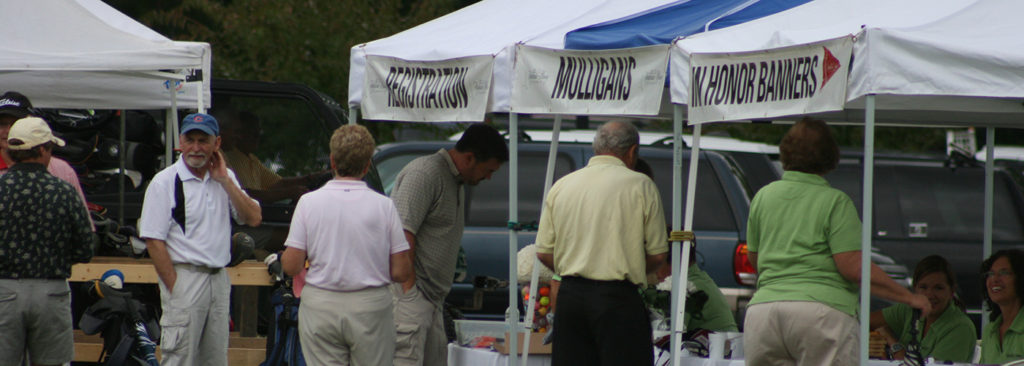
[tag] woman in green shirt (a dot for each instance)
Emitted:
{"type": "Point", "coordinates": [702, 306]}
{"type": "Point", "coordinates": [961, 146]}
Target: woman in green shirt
{"type": "Point", "coordinates": [1003, 338]}
{"type": "Point", "coordinates": [948, 334]}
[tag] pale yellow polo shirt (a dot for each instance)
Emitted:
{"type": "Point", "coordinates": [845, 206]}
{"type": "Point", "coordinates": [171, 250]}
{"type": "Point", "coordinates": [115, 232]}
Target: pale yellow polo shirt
{"type": "Point", "coordinates": [602, 221]}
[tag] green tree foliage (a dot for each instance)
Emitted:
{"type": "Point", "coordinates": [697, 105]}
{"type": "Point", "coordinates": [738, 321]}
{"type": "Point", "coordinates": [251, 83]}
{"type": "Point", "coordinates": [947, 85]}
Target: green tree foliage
{"type": "Point", "coordinates": [301, 41]}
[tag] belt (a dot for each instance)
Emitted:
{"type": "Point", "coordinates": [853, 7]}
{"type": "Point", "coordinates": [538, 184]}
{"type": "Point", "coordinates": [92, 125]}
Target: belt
{"type": "Point", "coordinates": [198, 268]}
{"type": "Point", "coordinates": [583, 280]}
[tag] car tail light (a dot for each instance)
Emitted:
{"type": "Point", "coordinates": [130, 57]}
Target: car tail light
{"type": "Point", "coordinates": [742, 269]}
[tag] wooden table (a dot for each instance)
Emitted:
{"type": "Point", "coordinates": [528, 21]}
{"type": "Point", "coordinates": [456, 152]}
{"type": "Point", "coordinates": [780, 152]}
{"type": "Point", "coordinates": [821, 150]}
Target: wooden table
{"type": "Point", "coordinates": [245, 347]}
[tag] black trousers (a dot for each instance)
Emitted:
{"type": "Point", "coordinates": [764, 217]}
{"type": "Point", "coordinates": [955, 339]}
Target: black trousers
{"type": "Point", "coordinates": [601, 323]}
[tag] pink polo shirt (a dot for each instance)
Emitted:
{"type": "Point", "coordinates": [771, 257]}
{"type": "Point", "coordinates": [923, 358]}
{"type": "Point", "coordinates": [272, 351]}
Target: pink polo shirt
{"type": "Point", "coordinates": [349, 233]}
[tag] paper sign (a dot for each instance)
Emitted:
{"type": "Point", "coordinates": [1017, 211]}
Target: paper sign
{"type": "Point", "coordinates": [607, 82]}
{"type": "Point", "coordinates": [427, 91]}
{"type": "Point", "coordinates": [764, 84]}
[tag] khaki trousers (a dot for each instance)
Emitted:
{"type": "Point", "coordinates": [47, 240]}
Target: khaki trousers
{"type": "Point", "coordinates": [421, 340]}
{"type": "Point", "coordinates": [346, 328]}
{"type": "Point", "coordinates": [195, 320]}
{"type": "Point", "coordinates": [799, 333]}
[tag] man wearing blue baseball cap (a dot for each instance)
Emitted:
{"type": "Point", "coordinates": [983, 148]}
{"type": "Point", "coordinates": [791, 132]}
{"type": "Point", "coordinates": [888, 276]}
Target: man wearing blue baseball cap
{"type": "Point", "coordinates": [185, 221]}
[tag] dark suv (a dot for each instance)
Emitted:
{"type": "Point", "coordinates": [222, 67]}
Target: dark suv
{"type": "Point", "coordinates": [926, 204]}
{"type": "Point", "coordinates": [929, 204]}
{"type": "Point", "coordinates": [720, 223]}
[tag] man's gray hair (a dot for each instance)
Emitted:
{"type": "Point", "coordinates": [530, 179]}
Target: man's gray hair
{"type": "Point", "coordinates": [615, 138]}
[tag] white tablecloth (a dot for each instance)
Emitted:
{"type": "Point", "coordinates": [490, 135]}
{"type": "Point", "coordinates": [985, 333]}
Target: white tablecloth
{"type": "Point", "coordinates": [465, 356]}
{"type": "Point", "coordinates": [700, 361]}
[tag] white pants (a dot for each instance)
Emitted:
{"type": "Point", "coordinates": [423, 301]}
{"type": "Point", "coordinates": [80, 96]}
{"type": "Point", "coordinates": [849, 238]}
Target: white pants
{"type": "Point", "coordinates": [799, 333]}
{"type": "Point", "coordinates": [347, 328]}
{"type": "Point", "coordinates": [195, 320]}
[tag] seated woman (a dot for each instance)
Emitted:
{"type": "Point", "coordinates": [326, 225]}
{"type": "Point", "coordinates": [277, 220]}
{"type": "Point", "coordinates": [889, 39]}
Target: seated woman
{"type": "Point", "coordinates": [1002, 340]}
{"type": "Point", "coordinates": [948, 334]}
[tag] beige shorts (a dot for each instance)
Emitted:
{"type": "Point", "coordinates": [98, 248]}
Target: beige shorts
{"type": "Point", "coordinates": [799, 333]}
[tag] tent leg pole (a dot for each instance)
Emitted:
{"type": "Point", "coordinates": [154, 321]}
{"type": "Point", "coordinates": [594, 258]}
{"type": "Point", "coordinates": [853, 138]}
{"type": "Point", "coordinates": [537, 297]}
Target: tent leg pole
{"type": "Point", "coordinates": [512, 314]}
{"type": "Point", "coordinates": [986, 248]}
{"type": "Point", "coordinates": [171, 134]}
{"type": "Point", "coordinates": [549, 177]}
{"type": "Point", "coordinates": [681, 250]}
{"type": "Point", "coordinates": [865, 246]}
{"type": "Point", "coordinates": [677, 172]}
{"type": "Point", "coordinates": [200, 107]}
{"type": "Point", "coordinates": [353, 115]}
{"type": "Point", "coordinates": [122, 165]}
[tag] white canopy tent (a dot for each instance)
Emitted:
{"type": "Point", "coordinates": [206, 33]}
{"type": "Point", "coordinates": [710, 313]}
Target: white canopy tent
{"type": "Point", "coordinates": [914, 62]}
{"type": "Point", "coordinates": [85, 54]}
{"type": "Point", "coordinates": [490, 28]}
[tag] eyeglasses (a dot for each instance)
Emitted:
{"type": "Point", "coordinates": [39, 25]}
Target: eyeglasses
{"type": "Point", "coordinates": [1001, 273]}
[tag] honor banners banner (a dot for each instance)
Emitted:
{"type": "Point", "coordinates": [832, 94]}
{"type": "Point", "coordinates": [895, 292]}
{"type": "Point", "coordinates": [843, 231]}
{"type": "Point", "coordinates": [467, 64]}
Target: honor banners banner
{"type": "Point", "coordinates": [626, 81]}
{"type": "Point", "coordinates": [763, 84]}
{"type": "Point", "coordinates": [427, 91]}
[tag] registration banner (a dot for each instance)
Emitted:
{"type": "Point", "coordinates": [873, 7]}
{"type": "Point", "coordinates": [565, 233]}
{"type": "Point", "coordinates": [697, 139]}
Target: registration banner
{"type": "Point", "coordinates": [453, 90]}
{"type": "Point", "coordinates": [607, 82]}
{"type": "Point", "coordinates": [764, 84]}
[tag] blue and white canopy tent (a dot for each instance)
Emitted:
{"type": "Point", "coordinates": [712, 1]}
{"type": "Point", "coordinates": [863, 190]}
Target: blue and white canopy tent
{"type": "Point", "coordinates": [478, 43]}
{"type": "Point", "coordinates": [952, 63]}
{"type": "Point", "coordinates": [500, 30]}
{"type": "Point", "coordinates": [665, 24]}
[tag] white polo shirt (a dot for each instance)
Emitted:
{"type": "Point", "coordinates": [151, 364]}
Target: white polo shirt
{"type": "Point", "coordinates": [348, 232]}
{"type": "Point", "coordinates": [206, 240]}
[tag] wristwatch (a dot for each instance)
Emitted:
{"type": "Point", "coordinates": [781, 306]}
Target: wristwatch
{"type": "Point", "coordinates": [892, 349]}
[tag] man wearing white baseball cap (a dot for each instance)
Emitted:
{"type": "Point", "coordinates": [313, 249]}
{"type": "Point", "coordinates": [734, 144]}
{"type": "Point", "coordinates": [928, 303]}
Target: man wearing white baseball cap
{"type": "Point", "coordinates": [45, 229]}
{"type": "Point", "coordinates": [15, 106]}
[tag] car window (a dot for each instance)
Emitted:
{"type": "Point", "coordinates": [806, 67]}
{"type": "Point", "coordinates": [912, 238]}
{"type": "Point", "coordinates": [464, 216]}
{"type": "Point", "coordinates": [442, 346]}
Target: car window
{"type": "Point", "coordinates": [389, 168]}
{"type": "Point", "coordinates": [711, 208]}
{"type": "Point", "coordinates": [488, 205]}
{"type": "Point", "coordinates": [934, 202]}
{"type": "Point", "coordinates": [284, 133]}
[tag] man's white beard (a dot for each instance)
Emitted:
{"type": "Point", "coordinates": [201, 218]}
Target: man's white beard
{"type": "Point", "coordinates": [196, 162]}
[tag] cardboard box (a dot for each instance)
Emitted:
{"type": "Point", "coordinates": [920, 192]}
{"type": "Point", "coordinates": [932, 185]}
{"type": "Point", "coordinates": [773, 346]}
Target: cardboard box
{"type": "Point", "coordinates": [537, 346]}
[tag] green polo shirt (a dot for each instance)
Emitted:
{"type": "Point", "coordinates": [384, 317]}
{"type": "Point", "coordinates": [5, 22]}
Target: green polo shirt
{"type": "Point", "coordinates": [795, 226]}
{"type": "Point", "coordinates": [716, 315]}
{"type": "Point", "coordinates": [1012, 347]}
{"type": "Point", "coordinates": [950, 338]}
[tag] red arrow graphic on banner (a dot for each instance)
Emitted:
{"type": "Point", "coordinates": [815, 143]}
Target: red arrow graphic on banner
{"type": "Point", "coordinates": [829, 67]}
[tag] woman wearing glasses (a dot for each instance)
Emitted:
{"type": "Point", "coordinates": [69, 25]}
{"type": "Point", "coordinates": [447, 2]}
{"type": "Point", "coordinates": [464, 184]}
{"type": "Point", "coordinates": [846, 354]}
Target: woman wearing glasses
{"type": "Point", "coordinates": [947, 333]}
{"type": "Point", "coordinates": [1003, 338]}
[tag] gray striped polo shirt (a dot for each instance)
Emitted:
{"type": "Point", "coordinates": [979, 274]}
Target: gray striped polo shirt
{"type": "Point", "coordinates": [430, 198]}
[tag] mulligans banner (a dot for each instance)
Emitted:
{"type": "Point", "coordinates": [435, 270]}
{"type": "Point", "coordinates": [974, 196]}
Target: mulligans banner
{"type": "Point", "coordinates": [427, 91]}
{"type": "Point", "coordinates": [764, 84]}
{"type": "Point", "coordinates": [625, 81]}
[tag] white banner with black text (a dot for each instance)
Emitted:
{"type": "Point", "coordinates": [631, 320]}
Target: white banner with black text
{"type": "Point", "coordinates": [453, 90]}
{"type": "Point", "coordinates": [772, 83]}
{"type": "Point", "coordinates": [606, 82]}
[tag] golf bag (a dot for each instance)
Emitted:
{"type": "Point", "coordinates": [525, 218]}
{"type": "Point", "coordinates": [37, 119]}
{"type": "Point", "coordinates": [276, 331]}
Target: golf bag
{"type": "Point", "coordinates": [129, 329]}
{"type": "Point", "coordinates": [283, 347]}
